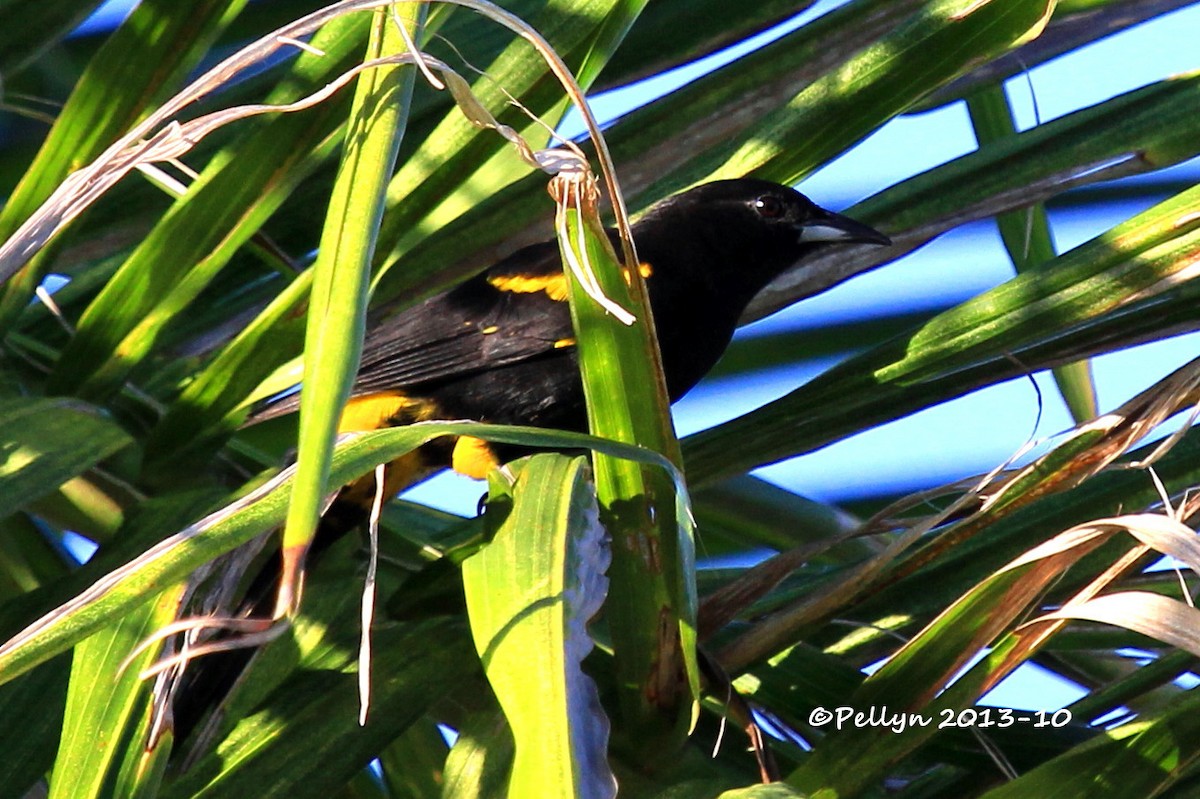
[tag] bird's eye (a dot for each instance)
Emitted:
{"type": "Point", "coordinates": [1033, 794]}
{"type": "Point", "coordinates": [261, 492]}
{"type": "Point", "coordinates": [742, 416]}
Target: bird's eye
{"type": "Point", "coordinates": [769, 207]}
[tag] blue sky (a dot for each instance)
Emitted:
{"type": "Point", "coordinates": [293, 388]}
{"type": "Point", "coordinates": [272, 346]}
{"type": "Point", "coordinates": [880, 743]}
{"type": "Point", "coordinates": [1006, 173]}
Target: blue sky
{"type": "Point", "coordinates": [947, 442]}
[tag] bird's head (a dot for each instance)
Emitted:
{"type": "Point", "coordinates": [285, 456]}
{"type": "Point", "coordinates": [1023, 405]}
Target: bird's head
{"type": "Point", "coordinates": [753, 228]}
{"type": "Point", "coordinates": [772, 211]}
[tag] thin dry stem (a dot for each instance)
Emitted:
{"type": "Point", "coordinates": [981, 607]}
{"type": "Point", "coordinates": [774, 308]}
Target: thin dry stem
{"type": "Point", "coordinates": [160, 136]}
{"type": "Point", "coordinates": [1118, 432]}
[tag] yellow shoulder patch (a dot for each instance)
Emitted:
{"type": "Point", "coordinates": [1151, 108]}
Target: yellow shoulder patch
{"type": "Point", "coordinates": [386, 409]}
{"type": "Point", "coordinates": [644, 269]}
{"type": "Point", "coordinates": [554, 285]}
{"type": "Point", "coordinates": [473, 457]}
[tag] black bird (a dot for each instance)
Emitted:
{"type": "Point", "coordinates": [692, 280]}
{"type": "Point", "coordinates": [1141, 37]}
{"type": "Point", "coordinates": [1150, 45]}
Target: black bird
{"type": "Point", "coordinates": [500, 347]}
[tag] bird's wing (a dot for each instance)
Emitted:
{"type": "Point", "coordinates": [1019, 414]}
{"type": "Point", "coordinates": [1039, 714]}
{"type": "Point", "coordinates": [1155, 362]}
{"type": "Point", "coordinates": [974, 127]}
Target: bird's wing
{"type": "Point", "coordinates": [514, 312]}
{"type": "Point", "coordinates": [501, 317]}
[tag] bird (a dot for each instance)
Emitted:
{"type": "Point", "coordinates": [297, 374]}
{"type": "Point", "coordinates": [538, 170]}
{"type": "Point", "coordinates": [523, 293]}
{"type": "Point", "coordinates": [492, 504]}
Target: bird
{"type": "Point", "coordinates": [500, 348]}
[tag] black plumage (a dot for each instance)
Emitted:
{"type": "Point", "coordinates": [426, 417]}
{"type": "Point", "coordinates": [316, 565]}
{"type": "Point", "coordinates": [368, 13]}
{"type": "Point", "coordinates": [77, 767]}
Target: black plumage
{"type": "Point", "coordinates": [499, 348]}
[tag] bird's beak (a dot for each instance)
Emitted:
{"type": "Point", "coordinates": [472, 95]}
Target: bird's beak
{"type": "Point", "coordinates": [835, 227]}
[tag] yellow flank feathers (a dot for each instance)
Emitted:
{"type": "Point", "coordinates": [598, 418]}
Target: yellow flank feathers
{"type": "Point", "coordinates": [378, 411]}
{"type": "Point", "coordinates": [564, 342]}
{"type": "Point", "coordinates": [554, 285]}
{"type": "Point", "coordinates": [401, 473]}
{"type": "Point", "coordinates": [473, 457]}
{"type": "Point", "coordinates": [388, 409]}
